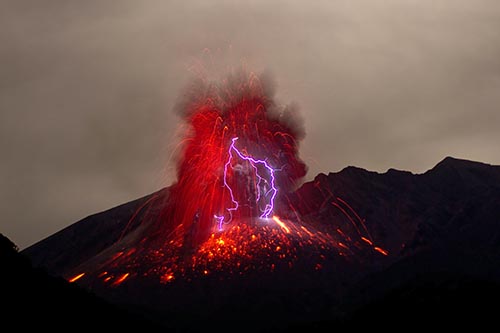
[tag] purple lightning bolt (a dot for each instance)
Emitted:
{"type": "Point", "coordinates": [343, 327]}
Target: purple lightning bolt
{"type": "Point", "coordinates": [273, 191]}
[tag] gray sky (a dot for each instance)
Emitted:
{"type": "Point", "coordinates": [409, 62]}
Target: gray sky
{"type": "Point", "coordinates": [87, 90]}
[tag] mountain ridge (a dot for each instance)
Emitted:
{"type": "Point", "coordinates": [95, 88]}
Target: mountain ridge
{"type": "Point", "coordinates": [387, 231]}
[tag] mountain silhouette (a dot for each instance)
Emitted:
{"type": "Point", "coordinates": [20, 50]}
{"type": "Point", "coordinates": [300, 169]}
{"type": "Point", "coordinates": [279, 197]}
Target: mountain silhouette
{"type": "Point", "coordinates": [348, 247]}
{"type": "Point", "coordinates": [31, 297]}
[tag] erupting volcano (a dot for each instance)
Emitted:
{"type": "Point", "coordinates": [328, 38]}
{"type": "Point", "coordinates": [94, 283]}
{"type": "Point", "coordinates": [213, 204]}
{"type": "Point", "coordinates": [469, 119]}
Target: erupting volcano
{"type": "Point", "coordinates": [237, 237]}
{"type": "Point", "coordinates": [233, 210]}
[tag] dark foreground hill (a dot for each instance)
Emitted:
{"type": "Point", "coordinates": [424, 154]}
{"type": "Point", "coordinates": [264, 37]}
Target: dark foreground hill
{"type": "Point", "coordinates": [33, 299]}
{"type": "Point", "coordinates": [354, 247]}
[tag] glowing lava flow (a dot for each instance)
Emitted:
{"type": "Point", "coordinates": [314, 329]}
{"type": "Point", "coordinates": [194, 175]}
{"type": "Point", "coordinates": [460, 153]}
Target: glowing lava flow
{"type": "Point", "coordinates": [272, 192]}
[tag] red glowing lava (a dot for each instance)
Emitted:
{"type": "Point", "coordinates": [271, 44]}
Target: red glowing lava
{"type": "Point", "coordinates": [219, 180]}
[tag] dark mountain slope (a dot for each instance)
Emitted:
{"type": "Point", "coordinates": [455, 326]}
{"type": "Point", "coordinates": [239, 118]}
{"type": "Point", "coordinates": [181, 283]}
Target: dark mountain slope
{"type": "Point", "coordinates": [31, 298]}
{"type": "Point", "coordinates": [386, 239]}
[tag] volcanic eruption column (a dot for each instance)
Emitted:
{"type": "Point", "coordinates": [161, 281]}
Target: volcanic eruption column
{"type": "Point", "coordinates": [240, 155]}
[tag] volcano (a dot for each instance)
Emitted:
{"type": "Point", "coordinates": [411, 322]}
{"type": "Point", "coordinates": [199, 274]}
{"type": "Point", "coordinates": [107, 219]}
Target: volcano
{"type": "Point", "coordinates": [237, 240]}
{"type": "Point", "coordinates": [343, 248]}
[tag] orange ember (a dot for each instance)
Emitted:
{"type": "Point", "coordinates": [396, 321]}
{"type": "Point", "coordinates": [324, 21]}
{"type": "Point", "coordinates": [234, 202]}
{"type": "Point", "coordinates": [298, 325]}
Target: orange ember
{"type": "Point", "coordinates": [77, 277]}
{"type": "Point", "coordinates": [121, 279]}
{"type": "Point", "coordinates": [281, 224]}
{"type": "Point", "coordinates": [378, 249]}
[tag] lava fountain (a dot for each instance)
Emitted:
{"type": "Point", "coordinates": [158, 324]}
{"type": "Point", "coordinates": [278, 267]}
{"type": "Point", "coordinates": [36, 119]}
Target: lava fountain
{"type": "Point", "coordinates": [240, 156]}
